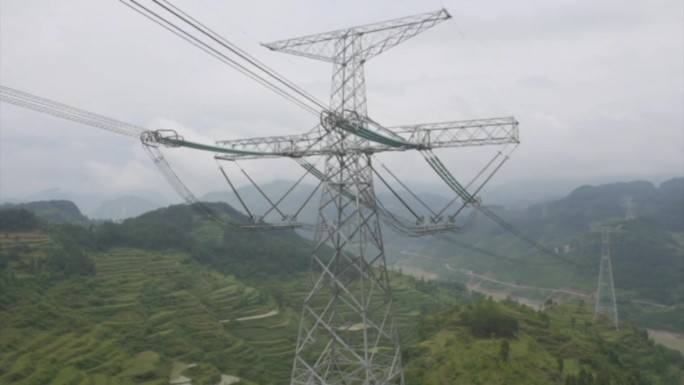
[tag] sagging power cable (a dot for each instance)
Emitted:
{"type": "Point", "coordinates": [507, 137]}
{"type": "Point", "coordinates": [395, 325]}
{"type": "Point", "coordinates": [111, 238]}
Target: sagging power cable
{"type": "Point", "coordinates": [232, 187]}
{"type": "Point", "coordinates": [419, 219]}
{"type": "Point", "coordinates": [238, 51]}
{"type": "Point", "coordinates": [487, 179]}
{"type": "Point", "coordinates": [407, 189]}
{"type": "Point", "coordinates": [303, 100]}
{"type": "Point", "coordinates": [60, 110]}
{"type": "Point", "coordinates": [449, 179]}
{"type": "Point", "coordinates": [476, 177]}
{"type": "Point", "coordinates": [182, 190]}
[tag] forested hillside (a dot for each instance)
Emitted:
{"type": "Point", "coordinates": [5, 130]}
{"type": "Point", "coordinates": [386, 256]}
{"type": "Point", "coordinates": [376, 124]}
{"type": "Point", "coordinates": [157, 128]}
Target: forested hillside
{"type": "Point", "coordinates": [507, 343]}
{"type": "Point", "coordinates": [56, 211]}
{"type": "Point", "coordinates": [572, 215]}
{"type": "Point", "coordinates": [127, 303]}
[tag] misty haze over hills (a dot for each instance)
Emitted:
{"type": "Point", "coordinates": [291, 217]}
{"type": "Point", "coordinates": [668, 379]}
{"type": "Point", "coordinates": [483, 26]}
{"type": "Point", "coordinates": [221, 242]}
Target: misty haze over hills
{"type": "Point", "coordinates": [517, 194]}
{"type": "Point", "coordinates": [101, 206]}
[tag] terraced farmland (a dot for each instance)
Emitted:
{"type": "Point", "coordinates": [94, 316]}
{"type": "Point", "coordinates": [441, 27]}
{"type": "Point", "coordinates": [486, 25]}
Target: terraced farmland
{"type": "Point", "coordinates": [95, 329]}
{"type": "Point", "coordinates": [24, 250]}
{"type": "Point", "coordinates": [144, 311]}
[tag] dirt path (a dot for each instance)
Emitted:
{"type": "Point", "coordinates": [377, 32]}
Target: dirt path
{"type": "Point", "coordinates": [253, 317]}
{"type": "Point", "coordinates": [423, 256]}
{"type": "Point", "coordinates": [518, 286]}
{"type": "Point", "coordinates": [502, 295]}
{"type": "Point", "coordinates": [649, 303]}
{"type": "Point", "coordinates": [177, 369]}
{"type": "Point", "coordinates": [354, 328]}
{"type": "Point", "coordinates": [416, 272]}
{"type": "Point", "coordinates": [669, 339]}
{"type": "Point", "coordinates": [427, 274]}
{"type": "Point", "coordinates": [228, 380]}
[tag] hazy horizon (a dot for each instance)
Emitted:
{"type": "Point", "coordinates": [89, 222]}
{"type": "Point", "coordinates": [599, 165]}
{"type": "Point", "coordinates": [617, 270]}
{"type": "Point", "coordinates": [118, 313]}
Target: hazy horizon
{"type": "Point", "coordinates": [512, 194]}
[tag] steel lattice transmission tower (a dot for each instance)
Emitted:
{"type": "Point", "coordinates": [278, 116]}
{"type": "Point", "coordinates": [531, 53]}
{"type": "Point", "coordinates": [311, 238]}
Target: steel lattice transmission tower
{"type": "Point", "coordinates": [606, 306]}
{"type": "Point", "coordinates": [347, 333]}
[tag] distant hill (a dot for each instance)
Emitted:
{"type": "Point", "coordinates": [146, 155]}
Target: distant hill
{"type": "Point", "coordinates": [184, 228]}
{"type": "Point", "coordinates": [85, 202]}
{"type": "Point", "coordinates": [123, 207]}
{"type": "Point", "coordinates": [560, 220]}
{"type": "Point", "coordinates": [589, 204]}
{"type": "Point", "coordinates": [522, 193]}
{"type": "Point", "coordinates": [55, 211]}
{"type": "Point", "coordinates": [669, 208]}
{"type": "Point", "coordinates": [99, 206]}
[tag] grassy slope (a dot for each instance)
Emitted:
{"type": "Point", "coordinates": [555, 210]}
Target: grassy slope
{"type": "Point", "coordinates": [452, 354]}
{"type": "Point", "coordinates": [145, 311]}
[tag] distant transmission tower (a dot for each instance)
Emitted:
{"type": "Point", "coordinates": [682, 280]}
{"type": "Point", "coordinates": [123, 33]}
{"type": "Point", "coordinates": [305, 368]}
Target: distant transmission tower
{"type": "Point", "coordinates": [629, 208]}
{"type": "Point", "coordinates": [606, 306]}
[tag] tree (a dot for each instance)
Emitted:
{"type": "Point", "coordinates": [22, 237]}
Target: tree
{"type": "Point", "coordinates": [18, 220]}
{"type": "Point", "coordinates": [69, 259]}
{"type": "Point", "coordinates": [487, 319]}
{"type": "Point", "coordinates": [504, 350]}
{"type": "Point", "coordinates": [585, 378]}
{"type": "Point", "coordinates": [603, 378]}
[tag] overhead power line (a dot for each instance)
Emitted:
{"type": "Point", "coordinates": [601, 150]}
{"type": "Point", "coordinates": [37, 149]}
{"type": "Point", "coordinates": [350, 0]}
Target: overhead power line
{"type": "Point", "coordinates": [212, 43]}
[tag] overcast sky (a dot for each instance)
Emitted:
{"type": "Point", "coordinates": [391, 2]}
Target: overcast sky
{"type": "Point", "coordinates": [597, 86]}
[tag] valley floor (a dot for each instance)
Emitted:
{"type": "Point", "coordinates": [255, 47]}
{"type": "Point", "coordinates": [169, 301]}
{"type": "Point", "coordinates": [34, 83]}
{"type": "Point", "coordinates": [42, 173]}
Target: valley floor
{"type": "Point", "coordinates": [500, 289]}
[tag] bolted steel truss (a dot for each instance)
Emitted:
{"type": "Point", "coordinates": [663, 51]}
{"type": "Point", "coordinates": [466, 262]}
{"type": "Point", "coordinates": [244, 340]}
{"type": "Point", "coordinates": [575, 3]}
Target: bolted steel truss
{"type": "Point", "coordinates": [347, 333]}
{"type": "Point", "coordinates": [463, 133]}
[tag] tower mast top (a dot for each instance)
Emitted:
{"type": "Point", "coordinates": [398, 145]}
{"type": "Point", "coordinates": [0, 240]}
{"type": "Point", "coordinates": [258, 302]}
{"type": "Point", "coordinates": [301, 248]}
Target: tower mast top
{"type": "Point", "coordinates": [374, 38]}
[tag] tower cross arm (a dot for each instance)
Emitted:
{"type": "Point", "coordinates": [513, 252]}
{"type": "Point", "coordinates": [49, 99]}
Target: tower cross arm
{"type": "Point", "coordinates": [375, 38]}
{"type": "Point", "coordinates": [276, 146]}
{"type": "Point", "coordinates": [464, 133]}
{"type": "Point", "coordinates": [461, 133]}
